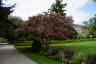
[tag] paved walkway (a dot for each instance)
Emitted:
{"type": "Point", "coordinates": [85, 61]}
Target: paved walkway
{"type": "Point", "coordinates": [9, 55]}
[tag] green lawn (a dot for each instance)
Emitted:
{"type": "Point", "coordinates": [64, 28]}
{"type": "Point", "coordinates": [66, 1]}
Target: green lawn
{"type": "Point", "coordinates": [88, 47]}
{"type": "Point", "coordinates": [40, 59]}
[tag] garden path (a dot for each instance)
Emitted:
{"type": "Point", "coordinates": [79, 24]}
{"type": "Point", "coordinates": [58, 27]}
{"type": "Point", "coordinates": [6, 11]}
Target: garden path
{"type": "Point", "coordinates": [9, 55]}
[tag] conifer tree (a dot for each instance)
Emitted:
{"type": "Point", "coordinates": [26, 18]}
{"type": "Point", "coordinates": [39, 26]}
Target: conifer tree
{"type": "Point", "coordinates": [5, 24]}
{"type": "Point", "coordinates": [58, 7]}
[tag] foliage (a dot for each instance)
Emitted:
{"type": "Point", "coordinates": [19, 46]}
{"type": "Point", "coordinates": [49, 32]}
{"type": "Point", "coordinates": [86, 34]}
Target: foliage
{"type": "Point", "coordinates": [44, 27]}
{"type": "Point", "coordinates": [81, 48]}
{"type": "Point", "coordinates": [36, 46]}
{"type": "Point", "coordinates": [91, 59]}
{"type": "Point", "coordinates": [15, 21]}
{"type": "Point", "coordinates": [40, 59]}
{"type": "Point", "coordinates": [69, 41]}
{"type": "Point", "coordinates": [91, 26]}
{"type": "Point", "coordinates": [68, 53]}
{"type": "Point", "coordinates": [51, 26]}
{"type": "Point", "coordinates": [58, 53]}
{"type": "Point", "coordinates": [77, 59]}
{"type": "Point", "coordinates": [5, 24]}
{"type": "Point", "coordinates": [58, 7]}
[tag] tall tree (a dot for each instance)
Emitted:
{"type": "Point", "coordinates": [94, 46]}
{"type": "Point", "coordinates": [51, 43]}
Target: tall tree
{"type": "Point", "coordinates": [45, 27]}
{"type": "Point", "coordinates": [58, 7]}
{"type": "Point", "coordinates": [15, 22]}
{"type": "Point", "coordinates": [91, 23]}
{"type": "Point", "coordinates": [4, 22]}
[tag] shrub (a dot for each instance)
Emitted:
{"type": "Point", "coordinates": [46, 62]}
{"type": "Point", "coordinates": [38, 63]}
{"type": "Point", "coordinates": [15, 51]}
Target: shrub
{"type": "Point", "coordinates": [51, 52]}
{"type": "Point", "coordinates": [43, 51]}
{"type": "Point", "coordinates": [69, 41]}
{"type": "Point", "coordinates": [54, 53]}
{"type": "Point", "coordinates": [77, 59]}
{"type": "Point", "coordinates": [36, 46]}
{"type": "Point", "coordinates": [68, 53]}
{"type": "Point", "coordinates": [91, 59]}
{"type": "Point", "coordinates": [68, 56]}
{"type": "Point", "coordinates": [57, 54]}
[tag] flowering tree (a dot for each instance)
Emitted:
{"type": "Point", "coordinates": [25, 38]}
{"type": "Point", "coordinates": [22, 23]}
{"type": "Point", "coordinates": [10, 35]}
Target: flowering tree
{"type": "Point", "coordinates": [44, 27]}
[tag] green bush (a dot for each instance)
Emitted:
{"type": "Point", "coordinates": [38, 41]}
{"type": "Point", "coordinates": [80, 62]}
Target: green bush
{"type": "Point", "coordinates": [44, 51]}
{"type": "Point", "coordinates": [68, 56]}
{"type": "Point", "coordinates": [77, 59]}
{"type": "Point", "coordinates": [68, 53]}
{"type": "Point", "coordinates": [36, 46]}
{"type": "Point", "coordinates": [69, 41]}
{"type": "Point", "coordinates": [91, 59]}
{"type": "Point", "coordinates": [51, 52]}
{"type": "Point", "coordinates": [54, 53]}
{"type": "Point", "coordinates": [58, 53]}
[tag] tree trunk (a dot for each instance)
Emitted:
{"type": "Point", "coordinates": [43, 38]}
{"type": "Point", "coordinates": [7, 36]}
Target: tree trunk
{"type": "Point", "coordinates": [36, 46]}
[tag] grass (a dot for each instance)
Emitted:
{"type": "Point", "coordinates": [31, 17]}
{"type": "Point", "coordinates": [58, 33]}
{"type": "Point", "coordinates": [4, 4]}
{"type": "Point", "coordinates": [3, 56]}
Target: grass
{"type": "Point", "coordinates": [87, 47]}
{"type": "Point", "coordinates": [23, 44]}
{"type": "Point", "coordinates": [40, 59]}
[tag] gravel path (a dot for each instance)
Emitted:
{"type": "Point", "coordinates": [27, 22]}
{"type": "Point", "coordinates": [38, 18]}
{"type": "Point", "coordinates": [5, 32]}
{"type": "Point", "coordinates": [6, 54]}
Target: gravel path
{"type": "Point", "coordinates": [9, 55]}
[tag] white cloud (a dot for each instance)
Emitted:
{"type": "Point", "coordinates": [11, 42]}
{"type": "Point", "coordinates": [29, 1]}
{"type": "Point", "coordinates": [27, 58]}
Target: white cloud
{"type": "Point", "coordinates": [72, 10]}
{"type": "Point", "coordinates": [26, 8]}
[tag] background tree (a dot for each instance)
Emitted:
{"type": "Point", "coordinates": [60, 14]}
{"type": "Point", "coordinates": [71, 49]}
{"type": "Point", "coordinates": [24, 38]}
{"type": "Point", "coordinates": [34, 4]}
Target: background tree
{"type": "Point", "coordinates": [15, 22]}
{"type": "Point", "coordinates": [58, 7]}
{"type": "Point", "coordinates": [45, 27]}
{"type": "Point", "coordinates": [5, 24]}
{"type": "Point", "coordinates": [91, 25]}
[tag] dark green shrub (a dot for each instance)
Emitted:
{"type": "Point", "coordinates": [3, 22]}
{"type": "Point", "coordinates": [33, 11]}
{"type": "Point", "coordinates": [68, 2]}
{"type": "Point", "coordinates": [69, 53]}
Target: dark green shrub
{"type": "Point", "coordinates": [68, 56]}
{"type": "Point", "coordinates": [60, 56]}
{"type": "Point", "coordinates": [91, 59]}
{"type": "Point", "coordinates": [36, 46]}
{"type": "Point", "coordinates": [55, 51]}
{"type": "Point", "coordinates": [43, 51]}
{"type": "Point", "coordinates": [69, 41]}
{"type": "Point", "coordinates": [51, 52]}
{"type": "Point", "coordinates": [68, 53]}
{"type": "Point", "coordinates": [77, 59]}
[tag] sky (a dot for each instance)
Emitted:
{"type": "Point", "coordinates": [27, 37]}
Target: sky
{"type": "Point", "coordinates": [80, 10]}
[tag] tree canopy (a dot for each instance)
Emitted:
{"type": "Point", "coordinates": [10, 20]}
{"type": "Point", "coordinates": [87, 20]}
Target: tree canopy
{"type": "Point", "coordinates": [91, 25]}
{"type": "Point", "coordinates": [45, 27]}
{"type": "Point", "coordinates": [58, 7]}
{"type": "Point", "coordinates": [54, 26]}
{"type": "Point", "coordinates": [15, 21]}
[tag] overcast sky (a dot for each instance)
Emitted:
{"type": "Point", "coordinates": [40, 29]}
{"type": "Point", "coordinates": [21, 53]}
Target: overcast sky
{"type": "Point", "coordinates": [80, 10]}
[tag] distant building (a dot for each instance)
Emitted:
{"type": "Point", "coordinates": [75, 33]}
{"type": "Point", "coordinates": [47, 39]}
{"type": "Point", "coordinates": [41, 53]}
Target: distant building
{"type": "Point", "coordinates": [82, 32]}
{"type": "Point", "coordinates": [79, 29]}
